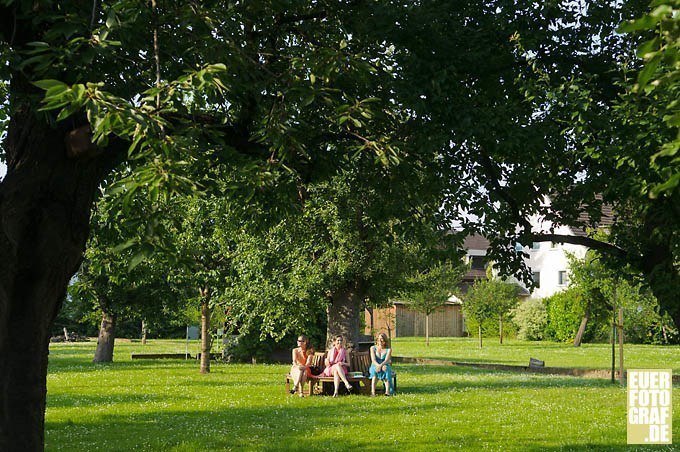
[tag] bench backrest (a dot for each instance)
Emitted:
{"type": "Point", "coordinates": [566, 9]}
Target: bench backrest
{"type": "Point", "coordinates": [318, 359]}
{"type": "Point", "coordinates": [358, 361]}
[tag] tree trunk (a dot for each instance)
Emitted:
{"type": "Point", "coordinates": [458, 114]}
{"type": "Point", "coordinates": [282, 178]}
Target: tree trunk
{"type": "Point", "coordinates": [205, 332]}
{"type": "Point", "coordinates": [500, 328]}
{"type": "Point", "coordinates": [45, 204]}
{"type": "Point", "coordinates": [144, 331]}
{"type": "Point", "coordinates": [620, 332]}
{"type": "Point", "coordinates": [106, 339]}
{"type": "Point", "coordinates": [582, 328]}
{"type": "Point", "coordinates": [427, 329]}
{"type": "Point", "coordinates": [480, 336]}
{"type": "Point", "coordinates": [343, 315]}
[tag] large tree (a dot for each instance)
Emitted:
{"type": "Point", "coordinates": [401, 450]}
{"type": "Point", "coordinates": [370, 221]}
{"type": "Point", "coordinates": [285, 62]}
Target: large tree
{"type": "Point", "coordinates": [351, 243]}
{"type": "Point", "coordinates": [166, 85]}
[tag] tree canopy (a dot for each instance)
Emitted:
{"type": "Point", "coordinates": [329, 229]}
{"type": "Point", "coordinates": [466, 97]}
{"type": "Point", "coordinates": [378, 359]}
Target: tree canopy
{"type": "Point", "coordinates": [476, 110]}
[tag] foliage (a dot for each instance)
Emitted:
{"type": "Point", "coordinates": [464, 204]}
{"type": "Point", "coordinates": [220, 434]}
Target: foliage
{"type": "Point", "coordinates": [659, 78]}
{"type": "Point", "coordinates": [531, 318]}
{"type": "Point", "coordinates": [601, 289]}
{"type": "Point", "coordinates": [111, 279]}
{"type": "Point", "coordinates": [568, 129]}
{"type": "Point", "coordinates": [488, 300]}
{"type": "Point", "coordinates": [349, 230]}
{"type": "Point", "coordinates": [430, 289]}
{"type": "Point", "coordinates": [565, 310]}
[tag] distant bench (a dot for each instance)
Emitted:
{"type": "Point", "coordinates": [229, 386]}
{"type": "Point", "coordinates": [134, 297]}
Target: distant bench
{"type": "Point", "coordinates": [214, 356]}
{"type": "Point", "coordinates": [161, 356]}
{"type": "Point", "coordinates": [359, 362]}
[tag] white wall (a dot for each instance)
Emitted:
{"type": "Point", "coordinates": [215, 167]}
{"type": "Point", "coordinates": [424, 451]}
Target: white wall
{"type": "Point", "coordinates": [549, 260]}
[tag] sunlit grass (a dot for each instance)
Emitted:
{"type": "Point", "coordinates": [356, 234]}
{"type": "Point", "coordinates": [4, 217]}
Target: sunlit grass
{"type": "Point", "coordinates": [168, 405]}
{"type": "Point", "coordinates": [555, 354]}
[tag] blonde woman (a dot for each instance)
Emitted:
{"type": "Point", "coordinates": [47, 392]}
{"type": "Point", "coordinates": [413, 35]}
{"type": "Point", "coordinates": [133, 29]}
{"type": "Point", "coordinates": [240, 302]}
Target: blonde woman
{"type": "Point", "coordinates": [302, 359]}
{"type": "Point", "coordinates": [381, 364]}
{"type": "Point", "coordinates": [337, 365]}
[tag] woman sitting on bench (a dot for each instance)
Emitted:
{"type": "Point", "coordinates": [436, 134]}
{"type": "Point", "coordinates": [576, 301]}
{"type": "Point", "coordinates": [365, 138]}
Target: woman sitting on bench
{"type": "Point", "coordinates": [381, 364]}
{"type": "Point", "coordinates": [337, 365]}
{"type": "Point", "coordinates": [302, 359]}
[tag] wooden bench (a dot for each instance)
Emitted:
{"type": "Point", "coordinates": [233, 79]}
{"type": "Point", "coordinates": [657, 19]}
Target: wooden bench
{"type": "Point", "coordinates": [358, 362]}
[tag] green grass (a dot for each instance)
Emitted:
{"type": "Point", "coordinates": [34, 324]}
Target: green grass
{"type": "Point", "coordinates": [555, 354]}
{"type": "Point", "coordinates": [168, 405]}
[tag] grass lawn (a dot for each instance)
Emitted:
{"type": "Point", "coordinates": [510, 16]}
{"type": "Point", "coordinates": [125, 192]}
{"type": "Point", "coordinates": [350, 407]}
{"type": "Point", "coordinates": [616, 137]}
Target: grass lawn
{"type": "Point", "coordinates": [555, 354]}
{"type": "Point", "coordinates": [168, 405]}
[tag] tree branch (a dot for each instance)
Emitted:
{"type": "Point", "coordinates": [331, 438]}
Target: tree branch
{"type": "Point", "coordinates": [583, 241]}
{"type": "Point", "coordinates": [493, 176]}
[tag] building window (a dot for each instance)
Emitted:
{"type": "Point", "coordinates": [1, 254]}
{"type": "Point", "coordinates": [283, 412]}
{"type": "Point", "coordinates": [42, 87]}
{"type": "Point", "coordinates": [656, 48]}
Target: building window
{"type": "Point", "coordinates": [518, 247]}
{"type": "Point", "coordinates": [478, 262]}
{"type": "Point", "coordinates": [562, 278]}
{"type": "Point", "coordinates": [536, 246]}
{"type": "Point", "coordinates": [536, 277]}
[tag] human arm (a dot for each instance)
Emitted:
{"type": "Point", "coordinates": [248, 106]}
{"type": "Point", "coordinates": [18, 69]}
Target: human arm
{"type": "Point", "coordinates": [310, 360]}
{"type": "Point", "coordinates": [374, 360]}
{"type": "Point", "coordinates": [330, 357]}
{"type": "Point", "coordinates": [388, 359]}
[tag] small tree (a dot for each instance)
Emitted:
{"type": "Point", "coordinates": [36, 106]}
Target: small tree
{"type": "Point", "coordinates": [487, 299]}
{"type": "Point", "coordinates": [428, 290]}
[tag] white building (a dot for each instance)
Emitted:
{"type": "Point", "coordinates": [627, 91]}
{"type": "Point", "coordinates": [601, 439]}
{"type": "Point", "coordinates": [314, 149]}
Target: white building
{"type": "Point", "coordinates": [548, 261]}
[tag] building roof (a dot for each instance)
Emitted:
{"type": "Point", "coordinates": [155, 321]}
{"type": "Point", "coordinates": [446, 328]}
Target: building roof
{"type": "Point", "coordinates": [605, 221]}
{"type": "Point", "coordinates": [475, 242]}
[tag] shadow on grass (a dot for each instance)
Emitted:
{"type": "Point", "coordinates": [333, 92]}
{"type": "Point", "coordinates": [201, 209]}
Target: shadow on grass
{"type": "Point", "coordinates": [81, 400]}
{"type": "Point", "coordinates": [311, 424]}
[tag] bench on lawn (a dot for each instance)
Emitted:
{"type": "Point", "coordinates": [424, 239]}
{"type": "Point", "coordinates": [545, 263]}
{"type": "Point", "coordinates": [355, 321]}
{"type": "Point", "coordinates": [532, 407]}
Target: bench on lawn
{"type": "Point", "coordinates": [359, 363]}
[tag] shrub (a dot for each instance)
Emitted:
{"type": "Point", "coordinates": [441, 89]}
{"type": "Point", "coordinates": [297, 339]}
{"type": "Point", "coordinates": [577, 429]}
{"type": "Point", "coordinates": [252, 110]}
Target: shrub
{"type": "Point", "coordinates": [530, 318]}
{"type": "Point", "coordinates": [564, 311]}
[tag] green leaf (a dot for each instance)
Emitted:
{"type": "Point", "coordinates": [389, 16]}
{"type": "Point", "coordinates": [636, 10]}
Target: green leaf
{"type": "Point", "coordinates": [672, 120]}
{"type": "Point", "coordinates": [137, 259]}
{"type": "Point", "coordinates": [669, 185]}
{"type": "Point", "coordinates": [123, 246]}
{"type": "Point", "coordinates": [648, 71]}
{"type": "Point", "coordinates": [111, 19]}
{"type": "Point", "coordinates": [644, 23]}
{"type": "Point", "coordinates": [50, 83]}
{"type": "Point", "coordinates": [648, 47]}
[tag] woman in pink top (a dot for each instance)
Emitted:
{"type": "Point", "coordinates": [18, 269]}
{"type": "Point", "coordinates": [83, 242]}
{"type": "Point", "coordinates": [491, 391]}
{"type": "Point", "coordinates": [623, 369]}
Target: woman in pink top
{"type": "Point", "coordinates": [337, 364]}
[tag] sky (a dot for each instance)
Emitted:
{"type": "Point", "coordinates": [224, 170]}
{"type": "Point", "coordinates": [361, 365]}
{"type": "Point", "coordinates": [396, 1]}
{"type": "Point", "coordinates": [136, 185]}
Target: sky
{"type": "Point", "coordinates": [3, 170]}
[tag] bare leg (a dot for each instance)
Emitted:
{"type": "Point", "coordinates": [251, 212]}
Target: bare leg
{"type": "Point", "coordinates": [373, 380]}
{"type": "Point", "coordinates": [303, 378]}
{"type": "Point", "coordinates": [341, 372]}
{"type": "Point", "coordinates": [296, 374]}
{"type": "Point", "coordinates": [387, 386]}
{"type": "Point", "coordinates": [336, 381]}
